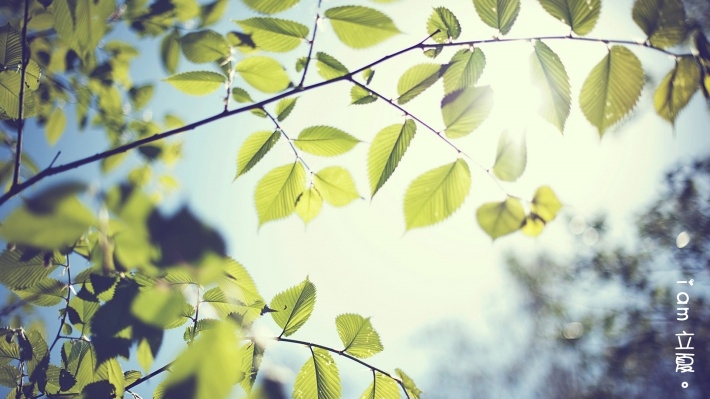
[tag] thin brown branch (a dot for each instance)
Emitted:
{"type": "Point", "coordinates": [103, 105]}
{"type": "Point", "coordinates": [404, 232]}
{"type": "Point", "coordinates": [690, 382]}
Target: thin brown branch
{"type": "Point", "coordinates": [290, 142]}
{"type": "Point", "coordinates": [149, 376]}
{"type": "Point", "coordinates": [311, 43]}
{"type": "Point", "coordinates": [23, 70]}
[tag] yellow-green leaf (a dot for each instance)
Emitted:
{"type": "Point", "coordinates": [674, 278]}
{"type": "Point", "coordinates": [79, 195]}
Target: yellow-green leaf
{"type": "Point", "coordinates": [158, 306]}
{"type": "Point", "coordinates": [274, 34]}
{"type": "Point", "coordinates": [464, 69]}
{"type": "Point", "coordinates": [677, 88]}
{"type": "Point", "coordinates": [325, 141]}
{"type": "Point", "coordinates": [358, 336]}
{"type": "Point", "coordinates": [170, 51]}
{"type": "Point", "coordinates": [360, 27]}
{"type": "Point", "coordinates": [360, 96]}
{"type": "Point", "coordinates": [533, 225]}
{"type": "Point", "coordinates": [335, 185]}
{"type": "Point", "coordinates": [465, 110]}
{"type": "Point", "coordinates": [276, 193]}
{"type": "Point", "coordinates": [318, 378]}
{"type": "Point", "coordinates": [47, 292]}
{"type": "Point", "coordinates": [284, 108]}
{"type": "Point", "coordinates": [309, 205]}
{"type": "Point", "coordinates": [417, 79]}
{"type": "Point", "coordinates": [500, 218]}
{"type": "Point", "coordinates": [204, 46]}
{"type": "Point", "coordinates": [409, 385]}
{"type": "Point", "coordinates": [270, 6]}
{"type": "Point", "coordinates": [443, 20]}
{"type": "Point", "coordinates": [382, 387]}
{"type": "Point", "coordinates": [580, 15]}
{"type": "Point", "coordinates": [82, 24]}
{"type": "Point", "coordinates": [264, 74]}
{"type": "Point", "coordinates": [437, 194]}
{"type": "Point", "coordinates": [498, 14]}
{"type": "Point", "coordinates": [329, 67]}
{"type": "Point", "coordinates": [293, 307]}
{"type": "Point", "coordinates": [240, 95]}
{"type": "Point", "coordinates": [387, 149]}
{"type": "Point", "coordinates": [549, 74]}
{"type": "Point", "coordinates": [663, 21]}
{"type": "Point", "coordinates": [55, 125]}
{"type": "Point", "coordinates": [511, 156]}
{"type": "Point", "coordinates": [545, 204]}
{"type": "Point", "coordinates": [196, 83]}
{"type": "Point", "coordinates": [212, 12]}
{"type": "Point", "coordinates": [612, 88]}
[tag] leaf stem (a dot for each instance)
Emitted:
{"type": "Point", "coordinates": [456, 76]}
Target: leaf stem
{"type": "Point", "coordinates": [21, 122]}
{"type": "Point", "coordinates": [283, 133]}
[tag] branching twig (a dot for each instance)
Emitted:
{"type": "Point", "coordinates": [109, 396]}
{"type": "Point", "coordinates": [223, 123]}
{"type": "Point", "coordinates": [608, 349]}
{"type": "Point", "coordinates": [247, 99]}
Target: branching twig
{"type": "Point", "coordinates": [64, 314]}
{"type": "Point", "coordinates": [283, 133]}
{"type": "Point", "coordinates": [23, 70]}
{"type": "Point", "coordinates": [310, 46]}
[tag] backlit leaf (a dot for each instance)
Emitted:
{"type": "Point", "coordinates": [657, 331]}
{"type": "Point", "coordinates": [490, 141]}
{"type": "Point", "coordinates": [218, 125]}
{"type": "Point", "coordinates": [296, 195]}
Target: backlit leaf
{"type": "Point", "coordinates": [464, 69]}
{"type": "Point", "coordinates": [82, 24]}
{"type": "Point", "coordinates": [500, 218]}
{"type": "Point", "coordinates": [409, 385]}
{"type": "Point", "coordinates": [240, 95]}
{"type": "Point", "coordinates": [284, 108]}
{"type": "Point", "coordinates": [387, 149]}
{"type": "Point", "coordinates": [360, 27]}
{"type": "Point", "coordinates": [270, 6]}
{"type": "Point", "coordinates": [250, 354]}
{"type": "Point", "coordinates": [158, 306]}
{"type": "Point", "coordinates": [677, 88]}
{"type": "Point", "coordinates": [446, 23]}
{"type": "Point", "coordinates": [10, 96]}
{"type": "Point", "coordinates": [329, 67]}
{"type": "Point", "coordinates": [238, 284]}
{"type": "Point", "coordinates": [264, 74]}
{"type": "Point", "coordinates": [204, 46]}
{"type": "Point", "coordinates": [47, 292]}
{"type": "Point", "coordinates": [318, 378]}
{"type": "Point", "coordinates": [227, 306]}
{"type": "Point", "coordinates": [545, 204]}
{"type": "Point", "coordinates": [580, 15]}
{"type": "Point", "coordinates": [212, 12]}
{"type": "Point", "coordinates": [276, 193]}
{"type": "Point", "coordinates": [663, 21]}
{"type": "Point", "coordinates": [360, 96]}
{"type": "Point", "coordinates": [417, 79]}
{"type": "Point", "coordinates": [293, 307]}
{"type": "Point", "coordinates": [274, 34]}
{"type": "Point", "coordinates": [612, 88]}
{"type": "Point", "coordinates": [325, 141]}
{"type": "Point", "coordinates": [368, 74]}
{"type": "Point", "coordinates": [437, 194]}
{"type": "Point", "coordinates": [196, 83]}
{"type": "Point", "coordinates": [511, 156]}
{"type": "Point", "coordinates": [382, 387]}
{"type": "Point", "coordinates": [498, 14]}
{"type": "Point", "coordinates": [465, 110]}
{"type": "Point", "coordinates": [170, 51]}
{"type": "Point", "coordinates": [358, 336]}
{"type": "Point", "coordinates": [549, 74]}
{"type": "Point", "coordinates": [309, 205]}
{"type": "Point", "coordinates": [55, 125]}
{"type": "Point", "coordinates": [335, 185]}
{"type": "Point", "coordinates": [533, 225]}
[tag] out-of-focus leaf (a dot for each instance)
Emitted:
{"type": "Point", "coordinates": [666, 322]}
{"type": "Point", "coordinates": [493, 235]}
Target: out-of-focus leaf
{"type": "Point", "coordinates": [264, 74]}
{"type": "Point", "coordinates": [270, 6]}
{"type": "Point", "coordinates": [677, 88]}
{"type": "Point", "coordinates": [663, 21]}
{"type": "Point", "coordinates": [500, 218]}
{"type": "Point", "coordinates": [204, 46]}
{"type": "Point", "coordinates": [549, 74]}
{"type": "Point", "coordinates": [465, 110]}
{"type": "Point", "coordinates": [274, 34]}
{"type": "Point", "coordinates": [511, 156]}
{"type": "Point", "coordinates": [309, 204]}
{"type": "Point", "coordinates": [196, 83]}
{"type": "Point", "coordinates": [360, 27]}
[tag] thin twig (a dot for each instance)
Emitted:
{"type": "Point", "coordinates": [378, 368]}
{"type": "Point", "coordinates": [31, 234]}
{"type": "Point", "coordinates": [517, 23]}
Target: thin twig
{"type": "Point", "coordinates": [64, 314]}
{"type": "Point", "coordinates": [283, 133]}
{"type": "Point", "coordinates": [311, 44]}
{"type": "Point", "coordinates": [149, 376]}
{"type": "Point", "coordinates": [21, 121]}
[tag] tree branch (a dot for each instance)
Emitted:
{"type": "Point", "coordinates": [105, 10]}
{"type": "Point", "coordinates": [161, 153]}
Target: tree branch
{"type": "Point", "coordinates": [23, 70]}
{"type": "Point", "coordinates": [310, 48]}
{"type": "Point", "coordinates": [149, 376]}
{"type": "Point", "coordinates": [64, 314]}
{"type": "Point", "coordinates": [283, 133]}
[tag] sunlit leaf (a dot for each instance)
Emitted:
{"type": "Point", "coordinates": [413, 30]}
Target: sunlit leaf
{"type": "Point", "coordinates": [533, 225]}
{"type": "Point", "coordinates": [264, 74]}
{"type": "Point", "coordinates": [329, 67]}
{"type": "Point", "coordinates": [545, 204]}
{"type": "Point", "coordinates": [500, 218]}
{"type": "Point", "coordinates": [382, 387]}
{"type": "Point", "coordinates": [358, 336]}
{"type": "Point", "coordinates": [417, 79]}
{"type": "Point", "coordinates": [274, 34]}
{"type": "Point", "coordinates": [464, 69]}
{"type": "Point", "coordinates": [47, 292]}
{"type": "Point", "coordinates": [387, 149]}
{"type": "Point", "coordinates": [227, 306]}
{"type": "Point", "coordinates": [663, 21]}
{"type": "Point", "coordinates": [158, 306]}
{"type": "Point", "coordinates": [446, 23]}
{"type": "Point", "coordinates": [368, 74]}
{"type": "Point", "coordinates": [318, 378]}
{"type": "Point", "coordinates": [170, 51]}
{"type": "Point", "coordinates": [204, 46]}
{"type": "Point", "coordinates": [511, 156]}
{"type": "Point", "coordinates": [580, 15]}
{"type": "Point", "coordinates": [360, 96]}
{"type": "Point", "coordinates": [82, 24]}
{"type": "Point", "coordinates": [144, 355]}
{"type": "Point", "coordinates": [465, 110]}
{"type": "Point", "coordinates": [250, 354]}
{"type": "Point", "coordinates": [325, 141]}
{"type": "Point", "coordinates": [293, 307]}
{"type": "Point", "coordinates": [549, 74]}
{"type": "Point", "coordinates": [193, 331]}
{"type": "Point", "coordinates": [140, 95]}
{"type": "Point", "coordinates": [360, 27]}
{"type": "Point", "coordinates": [270, 6]}
{"type": "Point", "coordinates": [10, 96]}
{"type": "Point", "coordinates": [212, 12]}
{"type": "Point", "coordinates": [238, 284]}
{"type": "Point", "coordinates": [284, 108]}
{"type": "Point", "coordinates": [677, 88]}
{"type": "Point", "coordinates": [240, 95]}
{"type": "Point", "coordinates": [335, 185]}
{"type": "Point", "coordinates": [409, 385]}
{"type": "Point", "coordinates": [437, 194]}
{"type": "Point", "coordinates": [612, 88]}
{"type": "Point", "coordinates": [196, 83]}
{"type": "Point", "coordinates": [55, 125]}
{"type": "Point", "coordinates": [276, 193]}
{"type": "Point", "coordinates": [309, 205]}
{"type": "Point", "coordinates": [498, 14]}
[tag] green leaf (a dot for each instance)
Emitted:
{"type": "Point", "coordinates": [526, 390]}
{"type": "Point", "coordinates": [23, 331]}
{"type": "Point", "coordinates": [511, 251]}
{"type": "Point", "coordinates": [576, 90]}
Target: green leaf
{"type": "Point", "coordinates": [580, 15]}
{"type": "Point", "coordinates": [47, 292]}
{"type": "Point", "coordinates": [309, 205]}
{"type": "Point", "coordinates": [335, 185]}
{"type": "Point", "coordinates": [533, 225]}
{"type": "Point", "coordinates": [360, 96]}
{"type": "Point", "coordinates": [170, 51]}
{"type": "Point", "coordinates": [318, 378]}
{"type": "Point", "coordinates": [386, 151]}
{"type": "Point", "coordinates": [192, 332]}
{"type": "Point", "coordinates": [612, 88]}
{"type": "Point", "coordinates": [276, 193]}
{"type": "Point", "coordinates": [409, 385]}
{"type": "Point", "coordinates": [10, 96]}
{"type": "Point", "coordinates": [464, 70]}
{"type": "Point", "coordinates": [511, 157]}
{"type": "Point", "coordinates": [82, 24]}
{"type": "Point", "coordinates": [238, 284]}
{"type": "Point", "coordinates": [264, 74]}
{"type": "Point", "coordinates": [207, 369]}
{"type": "Point", "coordinates": [140, 95]}
{"type": "Point", "coordinates": [254, 148]}
{"type": "Point", "coordinates": [81, 312]}
{"type": "Point", "coordinates": [144, 355]}
{"type": "Point", "coordinates": [226, 306]}
{"type": "Point", "coordinates": [110, 371]}
{"type": "Point", "coordinates": [433, 52]}
{"type": "Point", "coordinates": [158, 306]}
{"type": "Point", "coordinates": [55, 125]}
{"type": "Point", "coordinates": [212, 12]}
{"type": "Point", "coordinates": [273, 34]}
{"type": "Point", "coordinates": [368, 74]}
{"type": "Point", "coordinates": [284, 108]}
{"type": "Point", "coordinates": [465, 110]}
{"type": "Point", "coordinates": [417, 79]}
{"type": "Point", "coordinates": [196, 83]}
{"type": "Point", "coordinates": [663, 21]}
{"type": "Point", "coordinates": [204, 46]}
{"type": "Point", "coordinates": [250, 354]}
{"type": "Point", "coordinates": [270, 6]}
{"type": "Point", "coordinates": [437, 194]}
{"type": "Point", "coordinates": [358, 336]}
{"type": "Point", "coordinates": [328, 67]}
{"type": "Point", "coordinates": [500, 218]}
{"type": "Point", "coordinates": [52, 219]}
{"type": "Point", "coordinates": [549, 74]}
{"type": "Point", "coordinates": [382, 387]}
{"type": "Point", "coordinates": [498, 14]}
{"type": "Point", "coordinates": [545, 204]}
{"type": "Point", "coordinates": [325, 141]}
{"type": "Point", "coordinates": [446, 23]}
{"type": "Point", "coordinates": [360, 27]}
{"type": "Point", "coordinates": [241, 96]}
{"type": "Point", "coordinates": [677, 88]}
{"type": "Point", "coordinates": [293, 307]}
